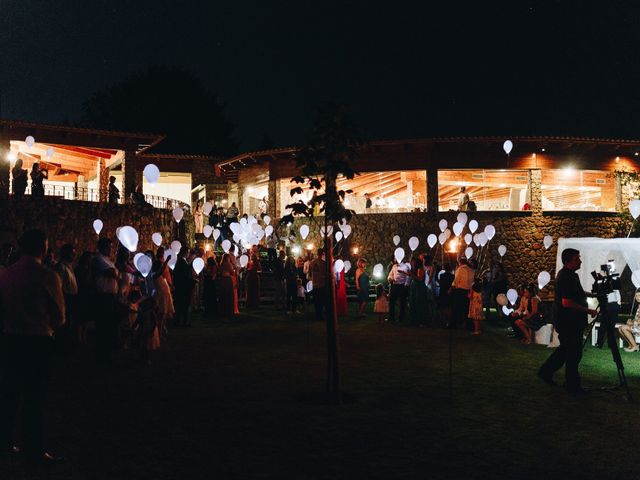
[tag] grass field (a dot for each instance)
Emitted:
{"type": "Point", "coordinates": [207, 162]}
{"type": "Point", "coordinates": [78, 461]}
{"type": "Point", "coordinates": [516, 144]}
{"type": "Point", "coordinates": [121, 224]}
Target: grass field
{"type": "Point", "coordinates": [224, 401]}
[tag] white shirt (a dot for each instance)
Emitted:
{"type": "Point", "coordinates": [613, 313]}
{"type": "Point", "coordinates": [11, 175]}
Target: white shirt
{"type": "Point", "coordinates": [464, 277]}
{"type": "Point", "coordinates": [398, 274]}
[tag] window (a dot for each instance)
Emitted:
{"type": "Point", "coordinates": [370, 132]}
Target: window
{"type": "Point", "coordinates": [486, 189]}
{"type": "Point", "coordinates": [571, 189]}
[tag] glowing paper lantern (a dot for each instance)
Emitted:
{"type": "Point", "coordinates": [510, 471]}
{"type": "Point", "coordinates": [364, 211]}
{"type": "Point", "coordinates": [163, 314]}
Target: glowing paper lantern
{"type": "Point", "coordinates": [396, 240]}
{"type": "Point", "coordinates": [413, 243]}
{"type": "Point", "coordinates": [304, 231]}
{"type": "Point", "coordinates": [216, 234]}
{"type": "Point", "coordinates": [468, 252]}
{"type": "Point", "coordinates": [462, 218]}
{"type": "Point", "coordinates": [457, 229]}
{"type": "Point", "coordinates": [512, 296]}
{"type": "Point", "coordinates": [143, 264]}
{"type": "Point", "coordinates": [266, 219]}
{"type": "Point", "coordinates": [502, 250]}
{"type": "Point", "coordinates": [176, 246]}
{"type": "Point", "coordinates": [399, 254]}
{"type": "Point", "coordinates": [473, 226]}
{"type": "Point", "coordinates": [157, 239]}
{"type": "Point", "coordinates": [226, 245]}
{"type": "Point", "coordinates": [268, 231]}
{"type": "Point", "coordinates": [431, 240]}
{"type": "Point", "coordinates": [489, 231]}
{"type": "Point", "coordinates": [29, 141]}
{"type": "Point", "coordinates": [543, 279]}
{"type": "Point", "coordinates": [338, 266]}
{"type": "Point", "coordinates": [346, 230]}
{"type": "Point", "coordinates": [97, 226]}
{"type": "Point", "coordinates": [442, 224]}
{"type": "Point", "coordinates": [468, 238]}
{"type": "Point", "coordinates": [128, 237]}
{"type": "Point", "coordinates": [347, 266]}
{"type": "Point", "coordinates": [547, 241]}
{"type": "Point", "coordinates": [338, 236]}
{"type": "Point", "coordinates": [634, 208]}
{"type": "Point", "coordinates": [507, 146]}
{"type": "Point", "coordinates": [501, 299]}
{"type": "Point", "coordinates": [197, 265]}
{"type": "Point", "coordinates": [207, 231]}
{"type": "Point", "coordinates": [178, 213]}
{"type": "Point", "coordinates": [207, 207]}
{"type": "Point", "coordinates": [151, 172]}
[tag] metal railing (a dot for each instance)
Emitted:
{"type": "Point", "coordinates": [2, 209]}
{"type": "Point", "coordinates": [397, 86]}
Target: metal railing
{"type": "Point", "coordinates": [96, 195]}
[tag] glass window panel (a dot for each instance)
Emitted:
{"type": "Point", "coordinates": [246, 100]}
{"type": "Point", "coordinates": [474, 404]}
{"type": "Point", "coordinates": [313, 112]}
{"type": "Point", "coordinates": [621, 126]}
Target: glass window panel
{"type": "Point", "coordinates": [571, 189]}
{"type": "Point", "coordinates": [486, 189]}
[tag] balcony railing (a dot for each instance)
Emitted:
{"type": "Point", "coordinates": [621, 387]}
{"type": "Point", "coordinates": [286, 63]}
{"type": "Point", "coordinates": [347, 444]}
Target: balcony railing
{"type": "Point", "coordinates": [95, 195]}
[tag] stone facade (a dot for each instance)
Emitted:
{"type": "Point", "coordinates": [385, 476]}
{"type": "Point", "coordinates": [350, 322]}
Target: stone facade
{"type": "Point", "coordinates": [72, 221]}
{"type": "Point", "coordinates": [521, 232]}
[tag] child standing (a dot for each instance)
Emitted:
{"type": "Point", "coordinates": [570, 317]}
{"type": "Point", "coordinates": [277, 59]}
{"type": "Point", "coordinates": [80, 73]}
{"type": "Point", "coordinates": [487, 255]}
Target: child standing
{"type": "Point", "coordinates": [381, 307]}
{"type": "Point", "coordinates": [476, 311]}
{"type": "Point", "coordinates": [301, 294]}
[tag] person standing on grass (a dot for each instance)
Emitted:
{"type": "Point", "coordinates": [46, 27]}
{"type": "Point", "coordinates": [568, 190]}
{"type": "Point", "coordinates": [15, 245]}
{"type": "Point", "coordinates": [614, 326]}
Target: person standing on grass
{"type": "Point", "coordinates": [31, 307]}
{"type": "Point", "coordinates": [462, 282]}
{"type": "Point", "coordinates": [319, 281]}
{"type": "Point", "coordinates": [106, 276]}
{"type": "Point", "coordinates": [571, 320]}
{"type": "Point", "coordinates": [184, 283]}
{"type": "Point", "coordinates": [476, 311]}
{"type": "Point", "coordinates": [291, 279]}
{"type": "Point", "coordinates": [279, 288]}
{"type": "Point", "coordinates": [362, 284]}
{"type": "Point", "coordinates": [399, 279]}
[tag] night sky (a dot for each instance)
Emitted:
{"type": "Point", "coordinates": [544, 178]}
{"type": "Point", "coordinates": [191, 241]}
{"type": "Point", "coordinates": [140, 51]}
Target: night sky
{"type": "Point", "coordinates": [476, 68]}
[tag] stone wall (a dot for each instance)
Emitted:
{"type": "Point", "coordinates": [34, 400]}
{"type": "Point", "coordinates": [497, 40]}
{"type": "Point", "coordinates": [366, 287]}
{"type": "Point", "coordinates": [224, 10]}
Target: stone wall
{"type": "Point", "coordinates": [72, 221]}
{"type": "Point", "coordinates": [521, 232]}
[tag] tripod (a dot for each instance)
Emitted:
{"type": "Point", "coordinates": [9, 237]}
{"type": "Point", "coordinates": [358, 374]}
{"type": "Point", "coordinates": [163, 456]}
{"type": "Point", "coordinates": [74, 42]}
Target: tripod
{"type": "Point", "coordinates": [607, 324]}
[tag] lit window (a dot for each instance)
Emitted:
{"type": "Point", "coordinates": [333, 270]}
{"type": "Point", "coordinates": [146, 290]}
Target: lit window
{"type": "Point", "coordinates": [572, 189]}
{"type": "Point", "coordinates": [483, 190]}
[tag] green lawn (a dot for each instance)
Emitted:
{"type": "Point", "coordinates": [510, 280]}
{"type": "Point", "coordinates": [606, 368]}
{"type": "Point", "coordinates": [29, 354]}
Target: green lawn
{"type": "Point", "coordinates": [223, 401]}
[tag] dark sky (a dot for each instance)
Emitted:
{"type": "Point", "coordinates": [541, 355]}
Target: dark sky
{"type": "Point", "coordinates": [407, 70]}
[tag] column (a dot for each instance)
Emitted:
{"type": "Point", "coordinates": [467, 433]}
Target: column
{"type": "Point", "coordinates": [535, 190]}
{"type": "Point", "coordinates": [103, 180]}
{"type": "Point", "coordinates": [240, 203]}
{"type": "Point", "coordinates": [432, 191]}
{"type": "Point", "coordinates": [5, 166]}
{"type": "Point", "coordinates": [131, 178]}
{"type": "Point", "coordinates": [274, 200]}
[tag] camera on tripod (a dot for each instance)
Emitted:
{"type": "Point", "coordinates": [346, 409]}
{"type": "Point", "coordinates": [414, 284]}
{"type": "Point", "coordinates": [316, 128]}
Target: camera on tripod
{"type": "Point", "coordinates": [607, 281]}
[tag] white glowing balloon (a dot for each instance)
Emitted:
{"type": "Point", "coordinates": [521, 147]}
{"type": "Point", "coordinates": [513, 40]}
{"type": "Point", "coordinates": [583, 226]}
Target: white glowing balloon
{"type": "Point", "coordinates": [97, 226]}
{"type": "Point", "coordinates": [338, 236]}
{"type": "Point", "coordinates": [483, 239]}
{"type": "Point", "coordinates": [489, 231]}
{"type": "Point", "coordinates": [431, 240]}
{"type": "Point", "coordinates": [151, 172]}
{"type": "Point", "coordinates": [49, 152]}
{"type": "Point", "coordinates": [243, 221]}
{"type": "Point", "coordinates": [396, 240]}
{"type": "Point", "coordinates": [468, 252]}
{"type": "Point", "coordinates": [136, 257]}
{"type": "Point", "coordinates": [462, 218]}
{"type": "Point", "coordinates": [634, 208]}
{"type": "Point", "coordinates": [457, 229]}
{"type": "Point", "coordinates": [543, 279]}
{"type": "Point", "coordinates": [326, 232]}
{"type": "Point", "coordinates": [168, 253]}
{"type": "Point", "coordinates": [255, 228]}
{"type": "Point", "coordinates": [172, 262]}
{"type": "Point", "coordinates": [143, 264]}
{"type": "Point", "coordinates": [635, 278]}
{"type": "Point", "coordinates": [346, 230]}
{"type": "Point", "coordinates": [226, 245]}
{"type": "Point", "coordinates": [268, 231]}
{"type": "Point", "coordinates": [216, 234]}
{"type": "Point", "coordinates": [309, 286]}
{"type": "Point", "coordinates": [442, 224]}
{"type": "Point", "coordinates": [399, 254]}
{"type": "Point", "coordinates": [442, 238]}
{"type": "Point", "coordinates": [468, 238]}
{"type": "Point", "coordinates": [512, 296]}
{"type": "Point", "coordinates": [207, 231]}
{"type": "Point", "coordinates": [338, 266]}
{"type": "Point", "coordinates": [304, 231]}
{"type": "Point", "coordinates": [413, 243]}
{"type": "Point", "coordinates": [507, 146]}
{"type": "Point", "coordinates": [476, 239]}
{"type": "Point", "coordinates": [207, 207]}
{"type": "Point", "coordinates": [377, 270]}
{"type": "Point", "coordinates": [347, 266]}
{"type": "Point", "coordinates": [156, 238]}
{"type": "Point", "coordinates": [447, 233]}
{"type": "Point", "coordinates": [128, 237]}
{"type": "Point", "coordinates": [473, 226]}
{"type": "Point", "coordinates": [501, 299]}
{"type": "Point", "coordinates": [29, 141]}
{"type": "Point", "coordinates": [506, 310]}
{"type": "Point", "coordinates": [235, 228]}
{"type": "Point", "coordinates": [176, 246]}
{"type": "Point", "coordinates": [251, 220]}
{"type": "Point", "coordinates": [244, 260]}
{"type": "Point", "coordinates": [178, 213]}
{"type": "Point", "coordinates": [197, 265]}
{"type": "Point", "coordinates": [266, 219]}
{"type": "Point", "coordinates": [236, 238]}
{"type": "Point", "coordinates": [502, 250]}
{"type": "Point", "coordinates": [547, 241]}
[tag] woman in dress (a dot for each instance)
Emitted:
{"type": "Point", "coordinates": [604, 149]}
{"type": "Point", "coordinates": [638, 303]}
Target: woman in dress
{"type": "Point", "coordinates": [210, 291]}
{"type": "Point", "coordinates": [417, 293]}
{"type": "Point", "coordinates": [37, 178]}
{"type": "Point", "coordinates": [252, 280]}
{"type": "Point", "coordinates": [163, 298]}
{"type": "Point", "coordinates": [198, 216]}
{"type": "Point", "coordinates": [341, 294]}
{"type": "Point", "coordinates": [226, 274]}
{"type": "Point", "coordinates": [529, 318]}
{"type": "Point", "coordinates": [19, 181]}
{"type": "Point", "coordinates": [362, 285]}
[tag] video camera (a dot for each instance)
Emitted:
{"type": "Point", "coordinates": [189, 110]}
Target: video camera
{"type": "Point", "coordinates": [607, 283]}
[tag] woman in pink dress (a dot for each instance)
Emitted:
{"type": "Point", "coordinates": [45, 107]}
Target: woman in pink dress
{"type": "Point", "coordinates": [341, 295]}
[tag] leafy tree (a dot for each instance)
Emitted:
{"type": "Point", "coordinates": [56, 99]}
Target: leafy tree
{"type": "Point", "coordinates": [166, 100]}
{"type": "Point", "coordinates": [333, 146]}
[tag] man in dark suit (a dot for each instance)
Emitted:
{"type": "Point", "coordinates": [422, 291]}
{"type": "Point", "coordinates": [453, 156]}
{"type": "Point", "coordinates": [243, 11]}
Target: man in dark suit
{"type": "Point", "coordinates": [183, 282]}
